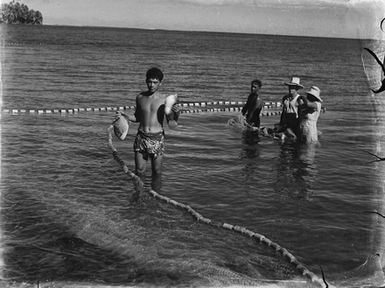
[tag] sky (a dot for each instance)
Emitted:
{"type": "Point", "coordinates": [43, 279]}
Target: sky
{"type": "Point", "coordinates": [321, 18]}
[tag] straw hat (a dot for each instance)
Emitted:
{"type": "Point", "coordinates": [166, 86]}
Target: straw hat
{"type": "Point", "coordinates": [294, 82]}
{"type": "Point", "coordinates": [314, 91]}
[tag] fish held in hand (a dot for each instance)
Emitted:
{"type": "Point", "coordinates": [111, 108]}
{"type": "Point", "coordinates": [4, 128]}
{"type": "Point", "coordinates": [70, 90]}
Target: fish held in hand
{"type": "Point", "coordinates": [170, 100]}
{"type": "Point", "coordinates": [121, 126]}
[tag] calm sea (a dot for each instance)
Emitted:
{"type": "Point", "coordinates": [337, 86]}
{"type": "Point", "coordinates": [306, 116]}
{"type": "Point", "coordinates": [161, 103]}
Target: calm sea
{"type": "Point", "coordinates": [66, 216]}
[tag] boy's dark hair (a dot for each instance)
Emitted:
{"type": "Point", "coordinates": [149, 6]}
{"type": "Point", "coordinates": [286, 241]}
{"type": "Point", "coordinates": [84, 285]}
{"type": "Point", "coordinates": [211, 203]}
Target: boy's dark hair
{"type": "Point", "coordinates": [154, 73]}
{"type": "Point", "coordinates": [258, 82]}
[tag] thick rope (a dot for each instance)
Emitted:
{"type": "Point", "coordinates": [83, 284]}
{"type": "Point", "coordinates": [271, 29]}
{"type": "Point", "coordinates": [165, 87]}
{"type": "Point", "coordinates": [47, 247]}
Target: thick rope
{"type": "Point", "coordinates": [239, 229]}
{"type": "Point", "coordinates": [138, 184]}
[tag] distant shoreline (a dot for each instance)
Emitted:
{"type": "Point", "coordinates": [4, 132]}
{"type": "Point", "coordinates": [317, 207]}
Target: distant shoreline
{"type": "Point", "coordinates": [191, 31]}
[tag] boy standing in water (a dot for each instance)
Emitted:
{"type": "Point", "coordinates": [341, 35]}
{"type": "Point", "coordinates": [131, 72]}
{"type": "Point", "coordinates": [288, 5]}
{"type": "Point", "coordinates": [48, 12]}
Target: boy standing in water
{"type": "Point", "coordinates": [253, 106]}
{"type": "Point", "coordinates": [149, 141]}
{"type": "Point", "coordinates": [289, 117]}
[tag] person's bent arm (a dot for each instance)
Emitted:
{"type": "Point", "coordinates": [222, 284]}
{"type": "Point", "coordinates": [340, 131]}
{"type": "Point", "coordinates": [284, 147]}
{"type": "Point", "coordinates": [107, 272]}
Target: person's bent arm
{"type": "Point", "coordinates": [309, 104]}
{"type": "Point", "coordinates": [131, 118]}
{"type": "Point", "coordinates": [312, 105]}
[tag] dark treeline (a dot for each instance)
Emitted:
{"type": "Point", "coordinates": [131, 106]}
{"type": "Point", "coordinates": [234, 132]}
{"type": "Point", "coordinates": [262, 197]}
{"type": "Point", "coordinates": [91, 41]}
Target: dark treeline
{"type": "Point", "coordinates": [18, 13]}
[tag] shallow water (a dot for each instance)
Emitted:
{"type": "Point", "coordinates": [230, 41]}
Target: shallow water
{"type": "Point", "coordinates": [65, 201]}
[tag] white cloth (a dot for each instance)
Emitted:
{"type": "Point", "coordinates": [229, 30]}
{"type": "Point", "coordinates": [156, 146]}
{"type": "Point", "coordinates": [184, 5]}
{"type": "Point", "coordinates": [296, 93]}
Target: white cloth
{"type": "Point", "coordinates": [291, 105]}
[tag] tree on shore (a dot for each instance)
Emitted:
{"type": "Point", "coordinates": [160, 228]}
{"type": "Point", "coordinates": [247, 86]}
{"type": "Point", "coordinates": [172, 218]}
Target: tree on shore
{"type": "Point", "coordinates": [19, 13]}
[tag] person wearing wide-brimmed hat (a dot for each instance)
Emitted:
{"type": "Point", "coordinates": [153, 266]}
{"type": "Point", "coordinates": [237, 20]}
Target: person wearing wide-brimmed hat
{"type": "Point", "coordinates": [289, 117]}
{"type": "Point", "coordinates": [309, 111]}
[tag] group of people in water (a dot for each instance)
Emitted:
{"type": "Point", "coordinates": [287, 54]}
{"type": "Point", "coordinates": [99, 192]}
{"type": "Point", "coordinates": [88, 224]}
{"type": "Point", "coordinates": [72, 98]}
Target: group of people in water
{"type": "Point", "coordinates": [298, 119]}
{"type": "Point", "coordinates": [299, 115]}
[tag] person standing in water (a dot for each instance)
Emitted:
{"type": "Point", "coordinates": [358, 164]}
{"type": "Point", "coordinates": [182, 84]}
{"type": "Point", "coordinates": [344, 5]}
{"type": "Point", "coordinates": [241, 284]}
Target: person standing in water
{"type": "Point", "coordinates": [253, 107]}
{"type": "Point", "coordinates": [150, 113]}
{"type": "Point", "coordinates": [309, 111]}
{"type": "Point", "coordinates": [289, 117]}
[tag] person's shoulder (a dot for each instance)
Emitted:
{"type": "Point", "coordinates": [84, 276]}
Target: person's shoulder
{"type": "Point", "coordinates": [140, 95]}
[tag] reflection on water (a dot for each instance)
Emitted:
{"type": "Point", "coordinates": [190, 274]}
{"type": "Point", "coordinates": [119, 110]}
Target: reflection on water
{"type": "Point", "coordinates": [296, 171]}
{"type": "Point", "coordinates": [296, 168]}
{"type": "Point", "coordinates": [250, 139]}
{"type": "Point", "coordinates": [250, 153]}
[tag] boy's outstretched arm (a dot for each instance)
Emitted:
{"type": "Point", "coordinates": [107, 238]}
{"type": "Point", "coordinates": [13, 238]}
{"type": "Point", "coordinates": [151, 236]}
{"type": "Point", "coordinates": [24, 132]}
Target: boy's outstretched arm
{"type": "Point", "coordinates": [131, 118]}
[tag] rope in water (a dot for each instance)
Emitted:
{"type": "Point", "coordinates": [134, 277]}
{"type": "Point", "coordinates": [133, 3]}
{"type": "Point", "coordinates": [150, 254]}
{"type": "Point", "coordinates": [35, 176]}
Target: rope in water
{"type": "Point", "coordinates": [76, 110]}
{"type": "Point", "coordinates": [267, 105]}
{"type": "Point", "coordinates": [229, 107]}
{"type": "Point", "coordinates": [239, 229]}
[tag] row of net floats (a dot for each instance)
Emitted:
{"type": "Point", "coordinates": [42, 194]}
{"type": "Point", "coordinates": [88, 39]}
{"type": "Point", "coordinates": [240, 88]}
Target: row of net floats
{"type": "Point", "coordinates": [267, 105]}
{"type": "Point", "coordinates": [229, 109]}
{"type": "Point", "coordinates": [65, 111]}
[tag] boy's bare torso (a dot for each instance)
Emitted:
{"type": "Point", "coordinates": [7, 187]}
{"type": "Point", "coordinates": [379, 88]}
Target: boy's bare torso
{"type": "Point", "coordinates": [150, 110]}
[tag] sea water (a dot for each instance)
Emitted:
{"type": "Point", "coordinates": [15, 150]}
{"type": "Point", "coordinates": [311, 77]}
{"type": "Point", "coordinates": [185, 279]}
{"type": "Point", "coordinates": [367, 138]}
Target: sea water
{"type": "Point", "coordinates": [65, 209]}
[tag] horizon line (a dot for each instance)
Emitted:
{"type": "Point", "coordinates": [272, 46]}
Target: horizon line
{"type": "Point", "coordinates": [197, 31]}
